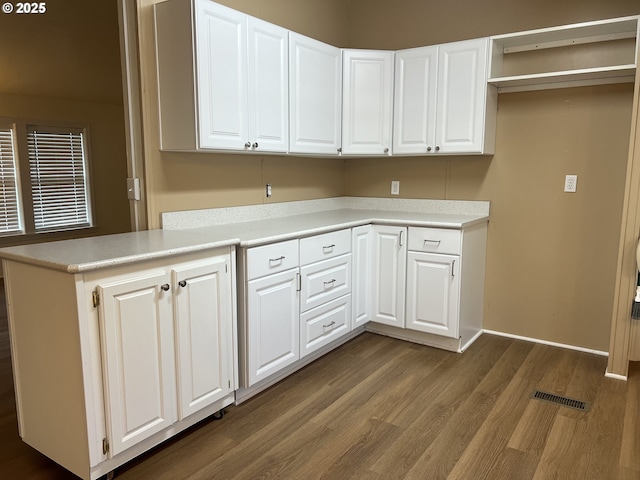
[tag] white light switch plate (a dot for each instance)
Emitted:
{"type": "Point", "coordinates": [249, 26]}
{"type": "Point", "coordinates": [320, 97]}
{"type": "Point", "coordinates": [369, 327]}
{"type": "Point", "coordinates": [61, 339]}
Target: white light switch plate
{"type": "Point", "coordinates": [395, 187]}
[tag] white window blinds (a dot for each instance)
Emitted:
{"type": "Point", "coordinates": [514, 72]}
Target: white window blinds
{"type": "Point", "coordinates": [10, 221]}
{"type": "Point", "coordinates": [59, 187]}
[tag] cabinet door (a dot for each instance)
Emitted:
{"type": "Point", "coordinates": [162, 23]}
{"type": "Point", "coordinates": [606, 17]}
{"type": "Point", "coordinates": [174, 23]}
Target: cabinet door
{"type": "Point", "coordinates": [268, 83]}
{"type": "Point", "coordinates": [204, 335]}
{"type": "Point", "coordinates": [361, 270]}
{"type": "Point", "coordinates": [138, 357]}
{"type": "Point", "coordinates": [367, 95]}
{"type": "Point", "coordinates": [273, 326]}
{"type": "Point", "coordinates": [389, 267]}
{"type": "Point", "coordinates": [433, 285]}
{"type": "Point", "coordinates": [315, 84]}
{"type": "Point", "coordinates": [221, 62]}
{"type": "Point", "coordinates": [415, 100]}
{"type": "Point", "coordinates": [462, 85]}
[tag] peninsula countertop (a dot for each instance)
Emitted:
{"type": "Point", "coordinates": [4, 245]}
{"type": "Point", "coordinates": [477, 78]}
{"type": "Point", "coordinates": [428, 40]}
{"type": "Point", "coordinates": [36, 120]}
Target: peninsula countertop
{"type": "Point", "coordinates": [93, 253]}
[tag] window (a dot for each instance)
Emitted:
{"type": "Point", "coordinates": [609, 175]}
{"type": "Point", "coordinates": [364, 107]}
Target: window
{"type": "Point", "coordinates": [52, 194]}
{"type": "Point", "coordinates": [9, 209]}
{"type": "Point", "coordinates": [58, 177]}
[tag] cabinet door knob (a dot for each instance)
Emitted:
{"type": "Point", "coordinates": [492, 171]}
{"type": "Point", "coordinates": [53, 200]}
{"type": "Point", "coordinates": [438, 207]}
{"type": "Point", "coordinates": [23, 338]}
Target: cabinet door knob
{"type": "Point", "coordinates": [247, 145]}
{"type": "Point", "coordinates": [437, 148]}
{"type": "Point", "coordinates": [340, 150]}
{"type": "Point", "coordinates": [182, 283]}
{"type": "Point", "coordinates": [428, 149]}
{"type": "Point", "coordinates": [165, 287]}
{"type": "Point", "coordinates": [255, 145]}
{"type": "Point", "coordinates": [386, 150]}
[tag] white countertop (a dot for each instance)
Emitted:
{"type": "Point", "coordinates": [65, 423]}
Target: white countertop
{"type": "Point", "coordinates": [92, 253]}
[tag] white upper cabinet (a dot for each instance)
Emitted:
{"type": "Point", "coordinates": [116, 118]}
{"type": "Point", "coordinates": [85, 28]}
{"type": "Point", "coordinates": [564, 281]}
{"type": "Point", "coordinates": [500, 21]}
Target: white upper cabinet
{"type": "Point", "coordinates": [442, 102]}
{"type": "Point", "coordinates": [415, 100]}
{"type": "Point", "coordinates": [315, 85]}
{"type": "Point", "coordinates": [268, 86]}
{"type": "Point", "coordinates": [221, 65]}
{"type": "Point", "coordinates": [367, 102]}
{"type": "Point", "coordinates": [462, 97]}
{"type": "Point", "coordinates": [222, 79]}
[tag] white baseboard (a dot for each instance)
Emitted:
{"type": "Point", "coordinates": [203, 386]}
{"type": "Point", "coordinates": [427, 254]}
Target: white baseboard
{"type": "Point", "coordinates": [615, 376]}
{"type": "Point", "coordinates": [552, 344]}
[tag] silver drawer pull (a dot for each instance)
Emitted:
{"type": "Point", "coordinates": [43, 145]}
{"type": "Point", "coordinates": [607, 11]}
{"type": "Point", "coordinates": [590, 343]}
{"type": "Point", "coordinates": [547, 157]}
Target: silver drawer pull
{"type": "Point", "coordinates": [330, 282]}
{"type": "Point", "coordinates": [279, 259]}
{"type": "Point", "coordinates": [330, 325]}
{"type": "Point", "coordinates": [437, 242]}
{"type": "Point", "coordinates": [327, 247]}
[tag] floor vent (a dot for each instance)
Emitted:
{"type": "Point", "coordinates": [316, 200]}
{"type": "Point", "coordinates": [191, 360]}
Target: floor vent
{"type": "Point", "coordinates": [564, 401]}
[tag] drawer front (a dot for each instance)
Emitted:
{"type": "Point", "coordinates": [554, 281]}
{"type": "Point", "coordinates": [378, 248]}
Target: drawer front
{"type": "Point", "coordinates": [324, 324]}
{"type": "Point", "coordinates": [435, 240]}
{"type": "Point", "coordinates": [272, 258]}
{"type": "Point", "coordinates": [328, 245]}
{"type": "Point", "coordinates": [325, 281]}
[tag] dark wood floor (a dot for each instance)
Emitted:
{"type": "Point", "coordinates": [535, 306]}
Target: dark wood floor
{"type": "Point", "coordinates": [379, 408]}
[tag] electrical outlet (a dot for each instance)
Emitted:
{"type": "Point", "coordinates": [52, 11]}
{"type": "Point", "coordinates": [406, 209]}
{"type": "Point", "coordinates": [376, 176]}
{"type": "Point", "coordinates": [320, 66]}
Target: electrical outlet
{"type": "Point", "coordinates": [268, 190]}
{"type": "Point", "coordinates": [395, 187]}
{"type": "Point", "coordinates": [570, 183]}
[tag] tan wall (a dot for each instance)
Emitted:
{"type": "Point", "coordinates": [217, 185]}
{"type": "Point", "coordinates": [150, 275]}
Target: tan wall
{"type": "Point", "coordinates": [551, 259]}
{"type": "Point", "coordinates": [64, 66]}
{"type": "Point", "coordinates": [178, 181]}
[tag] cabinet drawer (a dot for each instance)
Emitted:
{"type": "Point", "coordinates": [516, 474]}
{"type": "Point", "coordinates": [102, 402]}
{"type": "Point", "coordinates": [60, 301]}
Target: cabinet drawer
{"type": "Point", "coordinates": [436, 240]}
{"type": "Point", "coordinates": [324, 281]}
{"type": "Point", "coordinates": [328, 245]}
{"type": "Point", "coordinates": [324, 324]}
{"type": "Point", "coordinates": [272, 258]}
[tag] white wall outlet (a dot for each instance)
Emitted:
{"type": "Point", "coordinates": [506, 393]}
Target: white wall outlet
{"type": "Point", "coordinates": [395, 187]}
{"type": "Point", "coordinates": [570, 183]}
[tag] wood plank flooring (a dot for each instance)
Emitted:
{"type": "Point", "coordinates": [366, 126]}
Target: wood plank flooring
{"type": "Point", "coordinates": [379, 408]}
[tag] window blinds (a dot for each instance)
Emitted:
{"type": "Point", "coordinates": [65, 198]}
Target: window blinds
{"type": "Point", "coordinates": [9, 207]}
{"type": "Point", "coordinates": [58, 179]}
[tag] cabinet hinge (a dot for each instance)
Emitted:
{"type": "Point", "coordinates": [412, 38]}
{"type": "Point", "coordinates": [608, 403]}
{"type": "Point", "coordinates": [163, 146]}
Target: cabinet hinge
{"type": "Point", "coordinates": [105, 446]}
{"type": "Point", "coordinates": [96, 298]}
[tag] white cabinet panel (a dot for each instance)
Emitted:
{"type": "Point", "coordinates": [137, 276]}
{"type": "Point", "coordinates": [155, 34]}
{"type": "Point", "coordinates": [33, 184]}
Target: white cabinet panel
{"type": "Point", "coordinates": [315, 84]}
{"type": "Point", "coordinates": [221, 53]}
{"type": "Point", "coordinates": [462, 87]}
{"type": "Point", "coordinates": [415, 100]}
{"type": "Point", "coordinates": [204, 338]}
{"type": "Point", "coordinates": [268, 56]}
{"type": "Point", "coordinates": [324, 324]}
{"type": "Point", "coordinates": [139, 369]}
{"type": "Point", "coordinates": [362, 260]}
{"type": "Point", "coordinates": [323, 281]}
{"type": "Point", "coordinates": [433, 286]}
{"type": "Point", "coordinates": [388, 279]}
{"type": "Point", "coordinates": [367, 94]}
{"type": "Point", "coordinates": [273, 324]}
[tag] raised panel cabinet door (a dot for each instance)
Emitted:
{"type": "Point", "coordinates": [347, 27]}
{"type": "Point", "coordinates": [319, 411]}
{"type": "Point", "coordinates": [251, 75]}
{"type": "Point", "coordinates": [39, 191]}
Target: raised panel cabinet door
{"type": "Point", "coordinates": [221, 63]}
{"type": "Point", "coordinates": [367, 98]}
{"type": "Point", "coordinates": [389, 268]}
{"type": "Point", "coordinates": [433, 286]}
{"type": "Point", "coordinates": [414, 125]}
{"type": "Point", "coordinates": [315, 86]}
{"type": "Point", "coordinates": [138, 357]}
{"type": "Point", "coordinates": [362, 256]}
{"type": "Point", "coordinates": [273, 324]}
{"type": "Point", "coordinates": [268, 56]}
{"type": "Point", "coordinates": [204, 335]}
{"type": "Point", "coordinates": [462, 87]}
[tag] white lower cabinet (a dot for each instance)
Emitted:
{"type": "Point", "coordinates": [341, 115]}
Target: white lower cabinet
{"type": "Point", "coordinates": [362, 259]}
{"type": "Point", "coordinates": [272, 324]}
{"type": "Point", "coordinates": [129, 356]}
{"type": "Point", "coordinates": [433, 293]}
{"type": "Point", "coordinates": [389, 249]}
{"type": "Point", "coordinates": [321, 325]}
